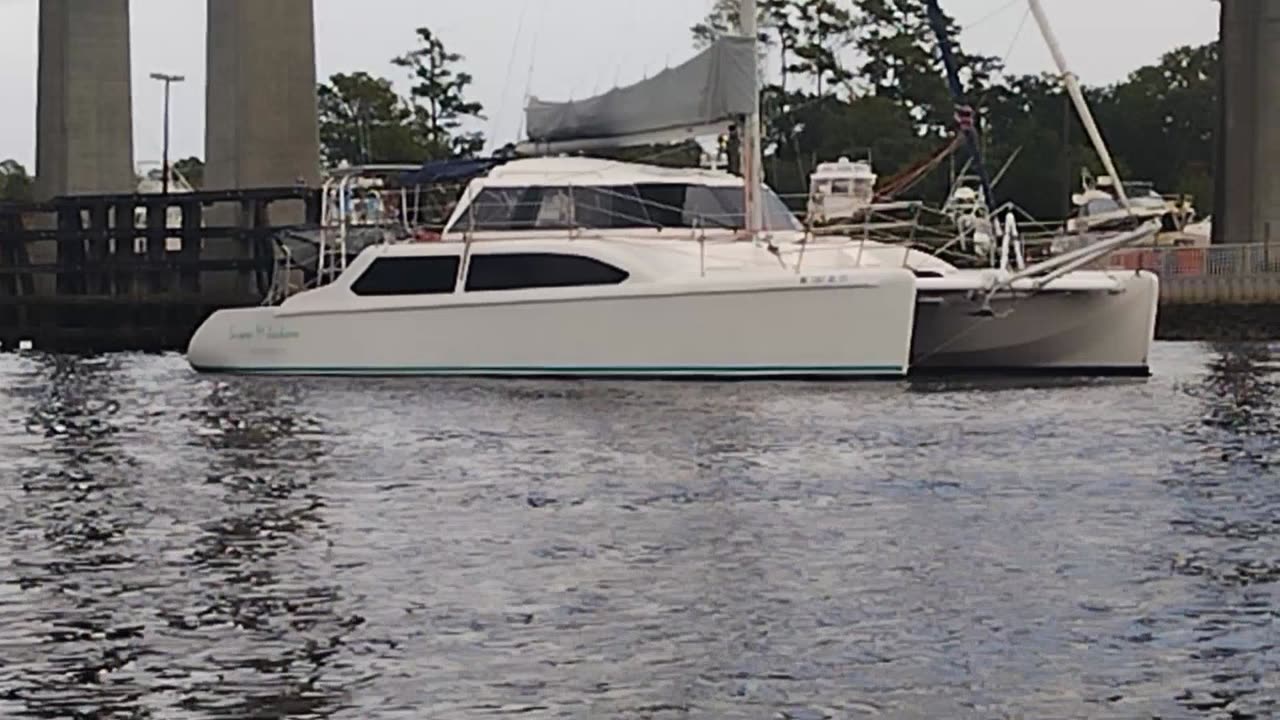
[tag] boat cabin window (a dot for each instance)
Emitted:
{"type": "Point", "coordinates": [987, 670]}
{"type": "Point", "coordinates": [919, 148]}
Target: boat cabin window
{"type": "Point", "coordinates": [432, 275]}
{"type": "Point", "coordinates": [646, 205]}
{"type": "Point", "coordinates": [518, 271]}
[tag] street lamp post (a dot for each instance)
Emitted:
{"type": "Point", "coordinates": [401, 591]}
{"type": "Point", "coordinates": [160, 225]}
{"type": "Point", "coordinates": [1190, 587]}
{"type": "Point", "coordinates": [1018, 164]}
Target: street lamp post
{"type": "Point", "coordinates": [164, 172]}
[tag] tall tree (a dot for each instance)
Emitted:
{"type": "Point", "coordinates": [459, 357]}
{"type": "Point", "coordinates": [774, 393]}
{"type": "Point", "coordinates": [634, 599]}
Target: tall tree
{"type": "Point", "coordinates": [15, 183]}
{"type": "Point", "coordinates": [439, 96]}
{"type": "Point", "coordinates": [1161, 121]}
{"type": "Point", "coordinates": [823, 29]}
{"type": "Point", "coordinates": [363, 121]}
{"type": "Point", "coordinates": [808, 35]}
{"type": "Point", "coordinates": [892, 101]}
{"type": "Point", "coordinates": [901, 61]}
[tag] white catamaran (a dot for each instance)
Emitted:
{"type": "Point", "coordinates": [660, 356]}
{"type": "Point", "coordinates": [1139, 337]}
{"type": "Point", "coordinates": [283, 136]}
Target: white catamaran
{"type": "Point", "coordinates": [534, 289]}
{"type": "Point", "coordinates": [590, 267]}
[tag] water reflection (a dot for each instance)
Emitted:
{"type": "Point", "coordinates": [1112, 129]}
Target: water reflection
{"type": "Point", "coordinates": [1231, 546]}
{"type": "Point", "coordinates": [259, 596]}
{"type": "Point", "coordinates": [71, 546]}
{"type": "Point", "coordinates": [183, 546]}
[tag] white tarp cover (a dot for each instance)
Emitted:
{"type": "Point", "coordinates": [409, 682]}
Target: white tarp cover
{"type": "Point", "coordinates": [716, 85]}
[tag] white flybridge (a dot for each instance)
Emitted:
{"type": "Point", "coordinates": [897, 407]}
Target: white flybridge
{"type": "Point", "coordinates": [563, 267]}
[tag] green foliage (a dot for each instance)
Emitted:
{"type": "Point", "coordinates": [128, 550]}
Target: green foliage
{"type": "Point", "coordinates": [192, 169]}
{"type": "Point", "coordinates": [363, 120]}
{"type": "Point", "coordinates": [439, 96]}
{"type": "Point", "coordinates": [809, 35]}
{"type": "Point", "coordinates": [901, 61]}
{"type": "Point", "coordinates": [864, 77]}
{"type": "Point", "coordinates": [16, 184]}
{"type": "Point", "coordinates": [1161, 121]}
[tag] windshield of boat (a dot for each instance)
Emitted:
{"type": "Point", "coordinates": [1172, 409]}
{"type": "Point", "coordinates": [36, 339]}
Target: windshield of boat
{"type": "Point", "coordinates": [644, 205]}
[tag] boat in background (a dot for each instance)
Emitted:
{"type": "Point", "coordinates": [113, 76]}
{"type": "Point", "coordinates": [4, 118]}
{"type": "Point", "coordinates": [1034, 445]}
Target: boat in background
{"type": "Point", "coordinates": [1099, 208]}
{"type": "Point", "coordinates": [1050, 315]}
{"type": "Point", "coordinates": [843, 190]}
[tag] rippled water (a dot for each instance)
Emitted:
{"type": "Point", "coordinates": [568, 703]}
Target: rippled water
{"type": "Point", "coordinates": [184, 546]}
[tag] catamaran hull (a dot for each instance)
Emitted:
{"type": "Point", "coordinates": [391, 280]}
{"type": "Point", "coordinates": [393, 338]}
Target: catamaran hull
{"type": "Point", "coordinates": [1096, 332]}
{"type": "Point", "coordinates": [854, 328]}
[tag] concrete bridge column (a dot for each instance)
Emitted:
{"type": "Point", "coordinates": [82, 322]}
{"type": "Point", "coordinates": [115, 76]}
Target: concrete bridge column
{"type": "Point", "coordinates": [1248, 183]}
{"type": "Point", "coordinates": [84, 116]}
{"type": "Point", "coordinates": [1267, 154]}
{"type": "Point", "coordinates": [261, 127]}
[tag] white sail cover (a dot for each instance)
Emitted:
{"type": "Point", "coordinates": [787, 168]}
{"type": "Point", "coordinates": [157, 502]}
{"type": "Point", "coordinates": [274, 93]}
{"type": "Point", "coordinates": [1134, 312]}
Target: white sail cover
{"type": "Point", "coordinates": [714, 87]}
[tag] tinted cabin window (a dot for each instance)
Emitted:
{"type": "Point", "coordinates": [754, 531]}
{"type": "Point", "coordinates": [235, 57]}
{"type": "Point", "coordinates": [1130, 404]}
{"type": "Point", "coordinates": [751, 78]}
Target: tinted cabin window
{"type": "Point", "coordinates": [408, 276]}
{"type": "Point", "coordinates": [517, 271]}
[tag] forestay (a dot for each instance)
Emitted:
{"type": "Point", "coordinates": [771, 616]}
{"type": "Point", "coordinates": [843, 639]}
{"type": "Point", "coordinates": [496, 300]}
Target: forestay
{"type": "Point", "coordinates": [708, 91]}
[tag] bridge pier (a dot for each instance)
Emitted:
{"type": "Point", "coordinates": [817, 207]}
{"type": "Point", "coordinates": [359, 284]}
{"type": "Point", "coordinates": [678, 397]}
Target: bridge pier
{"type": "Point", "coordinates": [84, 116]}
{"type": "Point", "coordinates": [261, 128]}
{"type": "Point", "coordinates": [1248, 187]}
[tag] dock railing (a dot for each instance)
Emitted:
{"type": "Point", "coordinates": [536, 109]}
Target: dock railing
{"type": "Point", "coordinates": [1241, 260]}
{"type": "Point", "coordinates": [1244, 274]}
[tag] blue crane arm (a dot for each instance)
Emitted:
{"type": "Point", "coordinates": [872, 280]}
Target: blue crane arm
{"type": "Point", "coordinates": [964, 111]}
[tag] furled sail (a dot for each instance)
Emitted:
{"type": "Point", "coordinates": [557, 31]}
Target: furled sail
{"type": "Point", "coordinates": [702, 95]}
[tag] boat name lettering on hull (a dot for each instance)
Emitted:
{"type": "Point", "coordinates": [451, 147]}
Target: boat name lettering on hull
{"type": "Point", "coordinates": [263, 332]}
{"type": "Point", "coordinates": [823, 279]}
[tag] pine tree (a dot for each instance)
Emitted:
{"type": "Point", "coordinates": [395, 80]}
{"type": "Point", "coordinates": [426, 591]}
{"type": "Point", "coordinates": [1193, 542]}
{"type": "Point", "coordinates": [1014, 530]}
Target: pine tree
{"type": "Point", "coordinates": [439, 97]}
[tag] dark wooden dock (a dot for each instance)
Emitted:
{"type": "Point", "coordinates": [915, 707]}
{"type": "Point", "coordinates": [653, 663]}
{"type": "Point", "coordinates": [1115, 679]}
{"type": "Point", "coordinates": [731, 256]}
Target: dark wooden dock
{"type": "Point", "coordinates": [82, 274]}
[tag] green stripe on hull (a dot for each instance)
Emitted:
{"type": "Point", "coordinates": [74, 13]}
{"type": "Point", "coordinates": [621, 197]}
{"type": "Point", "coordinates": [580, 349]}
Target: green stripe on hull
{"type": "Point", "coordinates": [648, 371]}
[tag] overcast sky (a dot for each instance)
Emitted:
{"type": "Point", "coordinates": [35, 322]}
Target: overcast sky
{"type": "Point", "coordinates": [552, 48]}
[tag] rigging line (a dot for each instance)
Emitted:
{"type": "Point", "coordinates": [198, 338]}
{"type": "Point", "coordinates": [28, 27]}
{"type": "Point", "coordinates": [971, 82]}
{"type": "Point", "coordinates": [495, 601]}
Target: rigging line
{"type": "Point", "coordinates": [629, 21]}
{"type": "Point", "coordinates": [1004, 60]}
{"type": "Point", "coordinates": [511, 66]}
{"type": "Point", "coordinates": [1022, 24]}
{"type": "Point", "coordinates": [989, 15]}
{"type": "Point", "coordinates": [533, 55]}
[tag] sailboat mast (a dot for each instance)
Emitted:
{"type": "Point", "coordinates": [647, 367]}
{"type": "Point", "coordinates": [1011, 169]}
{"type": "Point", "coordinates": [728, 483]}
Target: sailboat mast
{"type": "Point", "coordinates": [752, 133]}
{"type": "Point", "coordinates": [965, 116]}
{"type": "Point", "coordinates": [1077, 97]}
